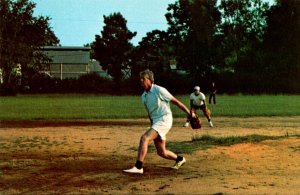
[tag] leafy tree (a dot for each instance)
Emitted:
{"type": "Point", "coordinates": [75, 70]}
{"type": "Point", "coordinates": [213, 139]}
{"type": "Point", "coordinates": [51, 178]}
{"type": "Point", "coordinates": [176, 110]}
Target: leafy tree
{"type": "Point", "coordinates": [21, 35]}
{"type": "Point", "coordinates": [243, 27]}
{"type": "Point", "coordinates": [192, 27]}
{"type": "Point", "coordinates": [281, 46]}
{"type": "Point", "coordinates": [179, 20]}
{"type": "Point", "coordinates": [112, 48]}
{"type": "Point", "coordinates": [240, 35]}
{"type": "Point", "coordinates": [154, 51]}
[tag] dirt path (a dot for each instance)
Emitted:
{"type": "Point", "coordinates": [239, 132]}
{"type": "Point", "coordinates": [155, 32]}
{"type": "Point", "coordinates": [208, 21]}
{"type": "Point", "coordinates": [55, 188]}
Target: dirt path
{"type": "Point", "coordinates": [88, 157]}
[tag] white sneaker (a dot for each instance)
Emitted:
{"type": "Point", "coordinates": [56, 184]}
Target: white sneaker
{"type": "Point", "coordinates": [186, 124]}
{"type": "Point", "coordinates": [211, 124]}
{"type": "Point", "coordinates": [134, 170]}
{"type": "Point", "coordinates": [179, 164]}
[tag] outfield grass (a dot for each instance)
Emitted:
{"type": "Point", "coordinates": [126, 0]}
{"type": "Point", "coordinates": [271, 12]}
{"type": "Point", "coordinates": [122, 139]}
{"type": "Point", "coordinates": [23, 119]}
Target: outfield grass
{"type": "Point", "coordinates": [256, 105]}
{"type": "Point", "coordinates": [69, 107]}
{"type": "Point", "coordinates": [203, 142]}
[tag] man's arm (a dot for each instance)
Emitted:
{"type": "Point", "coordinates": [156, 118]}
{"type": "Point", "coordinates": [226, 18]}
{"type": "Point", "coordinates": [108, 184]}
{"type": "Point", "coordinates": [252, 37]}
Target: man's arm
{"type": "Point", "coordinates": [180, 105]}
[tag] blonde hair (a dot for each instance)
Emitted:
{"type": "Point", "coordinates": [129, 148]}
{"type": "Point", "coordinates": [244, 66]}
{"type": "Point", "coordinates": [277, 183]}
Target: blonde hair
{"type": "Point", "coordinates": [148, 74]}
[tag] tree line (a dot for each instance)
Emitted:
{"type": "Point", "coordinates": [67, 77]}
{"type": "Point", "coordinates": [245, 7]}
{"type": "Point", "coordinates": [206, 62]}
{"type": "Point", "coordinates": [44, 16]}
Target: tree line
{"type": "Point", "coordinates": [247, 46]}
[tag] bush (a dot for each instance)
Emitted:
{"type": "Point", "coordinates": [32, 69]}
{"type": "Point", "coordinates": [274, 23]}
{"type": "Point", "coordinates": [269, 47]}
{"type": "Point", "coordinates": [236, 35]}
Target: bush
{"type": "Point", "coordinates": [42, 83]}
{"type": "Point", "coordinates": [87, 83]}
{"type": "Point", "coordinates": [175, 83]}
{"type": "Point", "coordinates": [93, 83]}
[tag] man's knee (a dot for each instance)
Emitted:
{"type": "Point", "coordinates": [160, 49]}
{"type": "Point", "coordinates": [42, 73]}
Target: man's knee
{"type": "Point", "coordinates": [144, 139]}
{"type": "Point", "coordinates": [161, 153]}
{"type": "Point", "coordinates": [149, 136]}
{"type": "Point", "coordinates": [206, 112]}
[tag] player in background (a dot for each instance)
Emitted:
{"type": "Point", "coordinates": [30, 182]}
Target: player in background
{"type": "Point", "coordinates": [197, 101]}
{"type": "Point", "coordinates": [156, 100]}
{"type": "Point", "coordinates": [213, 91]}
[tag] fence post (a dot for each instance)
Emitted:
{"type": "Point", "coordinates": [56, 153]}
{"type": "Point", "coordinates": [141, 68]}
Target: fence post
{"type": "Point", "coordinates": [61, 74]}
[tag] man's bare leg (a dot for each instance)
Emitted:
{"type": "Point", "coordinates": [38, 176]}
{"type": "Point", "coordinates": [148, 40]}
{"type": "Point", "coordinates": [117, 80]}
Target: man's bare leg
{"type": "Point", "coordinates": [167, 154]}
{"type": "Point", "coordinates": [145, 140]}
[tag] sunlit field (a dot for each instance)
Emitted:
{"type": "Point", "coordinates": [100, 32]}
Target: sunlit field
{"type": "Point", "coordinates": [79, 144]}
{"type": "Point", "coordinates": [90, 107]}
{"type": "Point", "coordinates": [240, 155]}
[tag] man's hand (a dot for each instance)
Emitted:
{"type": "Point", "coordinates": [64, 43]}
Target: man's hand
{"type": "Point", "coordinates": [193, 115]}
{"type": "Point", "coordinates": [194, 121]}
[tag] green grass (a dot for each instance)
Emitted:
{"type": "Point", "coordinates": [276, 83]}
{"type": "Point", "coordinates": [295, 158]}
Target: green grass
{"type": "Point", "coordinates": [90, 107]}
{"type": "Point", "coordinates": [231, 140]}
{"type": "Point", "coordinates": [203, 142]}
{"type": "Point", "coordinates": [257, 105]}
{"type": "Point", "coordinates": [68, 107]}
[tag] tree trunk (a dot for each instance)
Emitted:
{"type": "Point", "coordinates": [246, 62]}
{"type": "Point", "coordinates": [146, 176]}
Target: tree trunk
{"type": "Point", "coordinates": [8, 87]}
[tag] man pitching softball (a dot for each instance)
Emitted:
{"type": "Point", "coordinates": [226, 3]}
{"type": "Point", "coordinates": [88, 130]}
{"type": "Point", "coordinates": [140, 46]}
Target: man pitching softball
{"type": "Point", "coordinates": [156, 100]}
{"type": "Point", "coordinates": [197, 101]}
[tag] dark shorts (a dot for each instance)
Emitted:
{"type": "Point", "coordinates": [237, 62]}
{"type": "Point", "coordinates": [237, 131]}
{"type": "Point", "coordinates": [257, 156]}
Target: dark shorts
{"type": "Point", "coordinates": [198, 107]}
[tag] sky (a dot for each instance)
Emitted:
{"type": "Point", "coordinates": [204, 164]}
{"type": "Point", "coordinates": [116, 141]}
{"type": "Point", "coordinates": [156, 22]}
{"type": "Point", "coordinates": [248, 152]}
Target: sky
{"type": "Point", "coordinates": [76, 22]}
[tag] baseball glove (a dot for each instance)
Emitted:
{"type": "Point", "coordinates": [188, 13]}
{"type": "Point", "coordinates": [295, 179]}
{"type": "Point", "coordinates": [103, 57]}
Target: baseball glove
{"type": "Point", "coordinates": [195, 122]}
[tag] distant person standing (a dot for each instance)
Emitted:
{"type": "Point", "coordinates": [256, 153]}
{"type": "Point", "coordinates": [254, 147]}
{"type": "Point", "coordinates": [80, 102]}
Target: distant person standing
{"type": "Point", "coordinates": [213, 91]}
{"type": "Point", "coordinates": [197, 101]}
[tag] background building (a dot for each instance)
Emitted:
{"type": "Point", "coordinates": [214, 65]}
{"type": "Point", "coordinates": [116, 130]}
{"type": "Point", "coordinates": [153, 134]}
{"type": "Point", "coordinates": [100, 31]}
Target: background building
{"type": "Point", "coordinates": [71, 62]}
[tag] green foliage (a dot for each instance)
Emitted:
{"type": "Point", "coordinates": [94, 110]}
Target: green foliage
{"type": "Point", "coordinates": [175, 83]}
{"type": "Point", "coordinates": [244, 46]}
{"type": "Point", "coordinates": [92, 83]}
{"type": "Point", "coordinates": [21, 35]}
{"type": "Point", "coordinates": [243, 27]}
{"type": "Point", "coordinates": [192, 28]}
{"type": "Point", "coordinates": [112, 47]}
{"type": "Point", "coordinates": [281, 59]}
{"type": "Point", "coordinates": [179, 20]}
{"type": "Point", "coordinates": [87, 83]}
{"type": "Point", "coordinates": [153, 52]}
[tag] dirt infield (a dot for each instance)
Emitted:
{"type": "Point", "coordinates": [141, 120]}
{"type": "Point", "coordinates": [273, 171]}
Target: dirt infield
{"type": "Point", "coordinates": [88, 158]}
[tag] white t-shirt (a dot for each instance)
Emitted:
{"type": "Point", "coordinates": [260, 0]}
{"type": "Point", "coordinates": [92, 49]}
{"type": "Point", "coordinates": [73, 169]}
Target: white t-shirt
{"type": "Point", "coordinates": [157, 101]}
{"type": "Point", "coordinates": [197, 100]}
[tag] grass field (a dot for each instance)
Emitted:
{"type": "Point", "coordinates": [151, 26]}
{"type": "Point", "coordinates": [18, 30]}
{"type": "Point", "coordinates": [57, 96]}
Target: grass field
{"type": "Point", "coordinates": [92, 107]}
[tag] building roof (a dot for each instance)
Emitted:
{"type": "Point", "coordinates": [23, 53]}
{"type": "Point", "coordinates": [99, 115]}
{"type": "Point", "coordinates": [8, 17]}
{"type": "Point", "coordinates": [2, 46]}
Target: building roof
{"type": "Point", "coordinates": [67, 55]}
{"type": "Point", "coordinates": [67, 48]}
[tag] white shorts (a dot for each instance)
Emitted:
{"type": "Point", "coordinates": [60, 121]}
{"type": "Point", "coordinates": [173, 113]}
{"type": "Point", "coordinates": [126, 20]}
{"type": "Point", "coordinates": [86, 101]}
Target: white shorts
{"type": "Point", "coordinates": [162, 125]}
